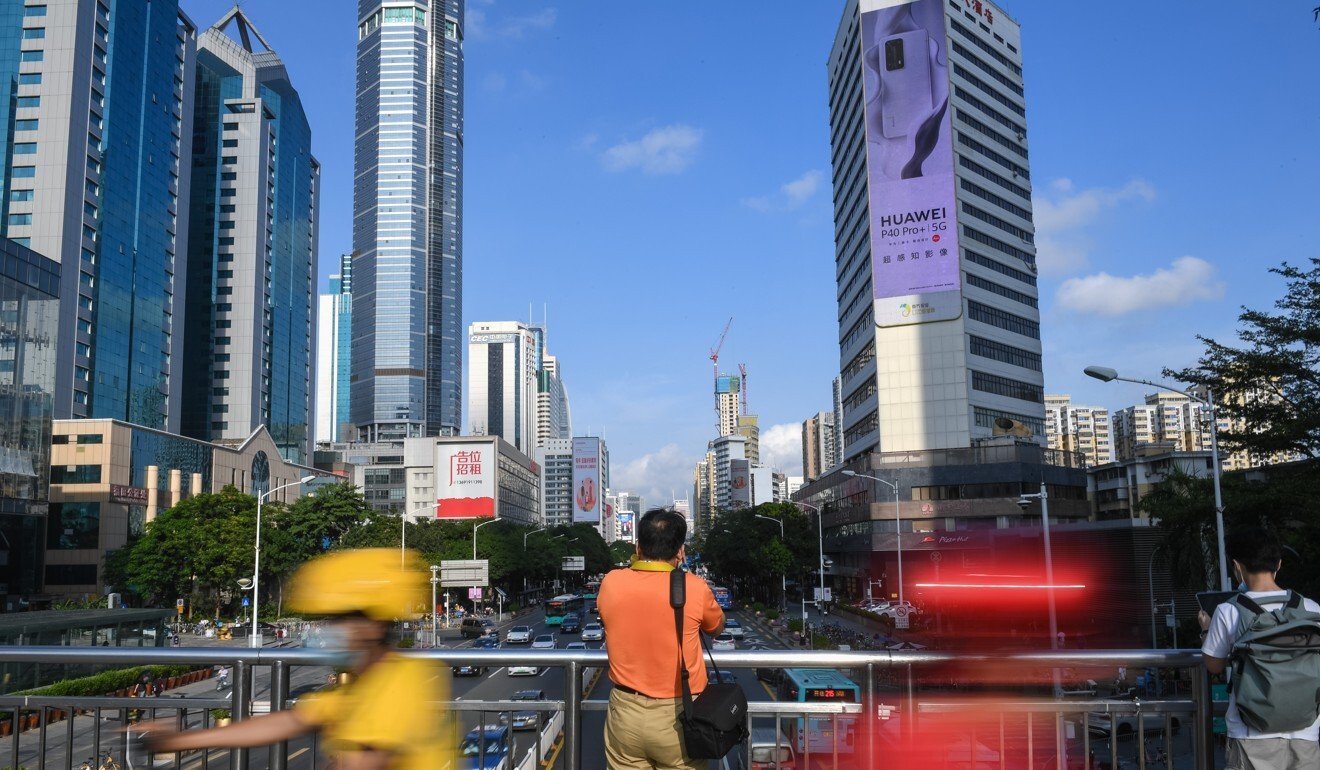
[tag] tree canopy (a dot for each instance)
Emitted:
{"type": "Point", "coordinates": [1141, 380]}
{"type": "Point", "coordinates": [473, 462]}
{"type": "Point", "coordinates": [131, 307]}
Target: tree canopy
{"type": "Point", "coordinates": [747, 552]}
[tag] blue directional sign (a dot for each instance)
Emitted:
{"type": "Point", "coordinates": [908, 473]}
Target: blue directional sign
{"type": "Point", "coordinates": [247, 602]}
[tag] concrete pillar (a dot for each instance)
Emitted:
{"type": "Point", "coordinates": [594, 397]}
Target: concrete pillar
{"type": "Point", "coordinates": [153, 491]}
{"type": "Point", "coordinates": [176, 486]}
{"type": "Point", "coordinates": [196, 488]}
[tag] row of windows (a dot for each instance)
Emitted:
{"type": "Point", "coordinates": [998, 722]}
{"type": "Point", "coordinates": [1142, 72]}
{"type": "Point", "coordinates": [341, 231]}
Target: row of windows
{"type": "Point", "coordinates": [861, 394]}
{"type": "Point", "coordinates": [81, 438]}
{"type": "Point", "coordinates": [998, 351]}
{"type": "Point", "coordinates": [998, 200]}
{"type": "Point", "coordinates": [867, 425]}
{"type": "Point", "coordinates": [990, 112]}
{"type": "Point", "coordinates": [985, 418]}
{"type": "Point", "coordinates": [1003, 291]}
{"type": "Point", "coordinates": [989, 90]}
{"type": "Point", "coordinates": [1001, 223]}
{"type": "Point", "coordinates": [999, 267]}
{"type": "Point", "coordinates": [984, 46]}
{"type": "Point", "coordinates": [998, 245]}
{"type": "Point", "coordinates": [1006, 386]}
{"type": "Point", "coordinates": [75, 474]}
{"type": "Point", "coordinates": [999, 139]}
{"type": "Point", "coordinates": [998, 179]}
{"type": "Point", "coordinates": [1002, 319]}
{"type": "Point", "coordinates": [1008, 163]}
{"type": "Point", "coordinates": [994, 74]}
{"type": "Point", "coordinates": [866, 356]}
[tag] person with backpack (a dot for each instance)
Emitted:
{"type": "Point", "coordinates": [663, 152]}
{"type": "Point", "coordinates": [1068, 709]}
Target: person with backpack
{"type": "Point", "coordinates": [1271, 638]}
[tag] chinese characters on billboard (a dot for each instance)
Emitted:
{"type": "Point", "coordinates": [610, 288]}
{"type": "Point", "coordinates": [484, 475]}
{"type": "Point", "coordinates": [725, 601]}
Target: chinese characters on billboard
{"type": "Point", "coordinates": [909, 159]}
{"type": "Point", "coordinates": [465, 481]}
{"type": "Point", "coordinates": [586, 480]}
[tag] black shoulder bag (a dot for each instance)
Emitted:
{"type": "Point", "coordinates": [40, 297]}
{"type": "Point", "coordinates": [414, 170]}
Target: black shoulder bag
{"type": "Point", "coordinates": [716, 720]}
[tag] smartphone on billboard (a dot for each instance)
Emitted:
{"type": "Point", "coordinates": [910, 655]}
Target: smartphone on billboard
{"type": "Point", "coordinates": [905, 87]}
{"type": "Point", "coordinates": [1209, 600]}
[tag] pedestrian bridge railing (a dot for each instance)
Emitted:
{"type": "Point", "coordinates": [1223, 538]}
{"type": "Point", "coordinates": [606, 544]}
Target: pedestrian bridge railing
{"type": "Point", "coordinates": [917, 709]}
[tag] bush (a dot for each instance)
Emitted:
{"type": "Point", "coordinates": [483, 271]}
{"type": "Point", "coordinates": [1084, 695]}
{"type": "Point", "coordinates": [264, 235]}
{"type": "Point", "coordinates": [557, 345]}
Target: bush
{"type": "Point", "coordinates": [104, 682]}
{"type": "Point", "coordinates": [406, 643]}
{"type": "Point", "coordinates": [795, 625]}
{"type": "Point", "coordinates": [219, 714]}
{"type": "Point", "coordinates": [772, 614]}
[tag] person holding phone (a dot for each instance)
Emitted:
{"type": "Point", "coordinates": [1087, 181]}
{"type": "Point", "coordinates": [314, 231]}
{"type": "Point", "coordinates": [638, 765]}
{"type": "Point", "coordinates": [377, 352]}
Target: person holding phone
{"type": "Point", "coordinates": [1256, 556]}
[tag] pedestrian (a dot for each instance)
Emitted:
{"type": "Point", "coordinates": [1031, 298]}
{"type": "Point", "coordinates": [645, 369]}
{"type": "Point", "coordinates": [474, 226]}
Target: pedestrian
{"type": "Point", "coordinates": [641, 723]}
{"type": "Point", "coordinates": [387, 717]}
{"type": "Point", "coordinates": [1256, 557]}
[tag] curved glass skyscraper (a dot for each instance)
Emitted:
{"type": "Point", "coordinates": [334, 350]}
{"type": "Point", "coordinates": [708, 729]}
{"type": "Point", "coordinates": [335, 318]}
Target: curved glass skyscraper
{"type": "Point", "coordinates": [407, 226]}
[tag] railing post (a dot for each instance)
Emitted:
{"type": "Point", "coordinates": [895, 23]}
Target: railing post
{"type": "Point", "coordinates": [870, 720]}
{"type": "Point", "coordinates": [1203, 752]}
{"type": "Point", "coordinates": [239, 698]}
{"type": "Point", "coordinates": [573, 714]}
{"type": "Point", "coordinates": [279, 693]}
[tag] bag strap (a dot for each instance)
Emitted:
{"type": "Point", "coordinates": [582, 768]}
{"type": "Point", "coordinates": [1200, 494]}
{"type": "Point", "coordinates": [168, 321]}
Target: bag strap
{"type": "Point", "coordinates": [677, 599]}
{"type": "Point", "coordinates": [1247, 603]}
{"type": "Point", "coordinates": [1294, 600]}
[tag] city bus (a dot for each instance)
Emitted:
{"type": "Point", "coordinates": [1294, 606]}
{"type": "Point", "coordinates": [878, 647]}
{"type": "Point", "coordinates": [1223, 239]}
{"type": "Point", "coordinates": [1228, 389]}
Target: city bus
{"type": "Point", "coordinates": [562, 605]}
{"type": "Point", "coordinates": [723, 597]}
{"type": "Point", "coordinates": [820, 734]}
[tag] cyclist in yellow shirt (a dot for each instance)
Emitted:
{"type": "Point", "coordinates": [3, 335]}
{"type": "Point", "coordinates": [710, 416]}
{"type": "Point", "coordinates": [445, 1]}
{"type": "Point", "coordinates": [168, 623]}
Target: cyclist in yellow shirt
{"type": "Point", "coordinates": [389, 716]}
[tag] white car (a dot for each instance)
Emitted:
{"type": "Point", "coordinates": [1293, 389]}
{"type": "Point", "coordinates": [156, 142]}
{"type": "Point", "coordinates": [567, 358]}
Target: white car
{"type": "Point", "coordinates": [892, 609]}
{"type": "Point", "coordinates": [733, 628]}
{"type": "Point", "coordinates": [724, 642]}
{"type": "Point", "coordinates": [593, 632]}
{"type": "Point", "coordinates": [524, 670]}
{"type": "Point", "coordinates": [518, 635]}
{"type": "Point", "coordinates": [575, 646]}
{"type": "Point", "coordinates": [544, 642]}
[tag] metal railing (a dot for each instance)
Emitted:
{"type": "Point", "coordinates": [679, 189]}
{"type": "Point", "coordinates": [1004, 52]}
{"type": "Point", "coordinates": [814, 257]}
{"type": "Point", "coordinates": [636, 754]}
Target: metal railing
{"type": "Point", "coordinates": [901, 692]}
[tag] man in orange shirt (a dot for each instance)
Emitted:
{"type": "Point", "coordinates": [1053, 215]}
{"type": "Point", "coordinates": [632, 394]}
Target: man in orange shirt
{"type": "Point", "coordinates": [641, 725]}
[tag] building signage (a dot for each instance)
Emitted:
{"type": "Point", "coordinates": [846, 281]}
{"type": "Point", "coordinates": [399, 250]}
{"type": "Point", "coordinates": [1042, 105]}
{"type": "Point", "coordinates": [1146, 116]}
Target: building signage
{"type": "Point", "coordinates": [740, 483]}
{"type": "Point", "coordinates": [465, 480]}
{"type": "Point", "coordinates": [574, 564]}
{"type": "Point", "coordinates": [464, 573]}
{"type": "Point", "coordinates": [626, 526]}
{"type": "Point", "coordinates": [586, 480]}
{"type": "Point", "coordinates": [494, 338]}
{"type": "Point", "coordinates": [127, 495]}
{"type": "Point", "coordinates": [909, 159]}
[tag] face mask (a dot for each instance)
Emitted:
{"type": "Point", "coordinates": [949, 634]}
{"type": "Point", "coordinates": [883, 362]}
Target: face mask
{"type": "Point", "coordinates": [335, 639]}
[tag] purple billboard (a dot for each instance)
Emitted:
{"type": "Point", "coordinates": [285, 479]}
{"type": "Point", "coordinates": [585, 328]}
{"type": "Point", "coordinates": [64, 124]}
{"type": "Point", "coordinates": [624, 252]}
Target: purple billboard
{"type": "Point", "coordinates": [909, 159]}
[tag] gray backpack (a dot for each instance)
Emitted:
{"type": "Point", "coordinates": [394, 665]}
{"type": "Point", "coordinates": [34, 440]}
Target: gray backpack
{"type": "Point", "coordinates": [1276, 665]}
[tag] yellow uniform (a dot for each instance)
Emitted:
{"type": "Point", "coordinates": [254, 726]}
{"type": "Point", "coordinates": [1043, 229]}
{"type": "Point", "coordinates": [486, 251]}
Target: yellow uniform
{"type": "Point", "coordinates": [395, 706]}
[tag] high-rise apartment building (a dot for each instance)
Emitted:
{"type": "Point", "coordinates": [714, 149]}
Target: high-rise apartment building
{"type": "Point", "coordinates": [1242, 459]}
{"type": "Point", "coordinates": [503, 391]}
{"type": "Point", "coordinates": [939, 327]}
{"type": "Point", "coordinates": [749, 429]}
{"type": "Point", "coordinates": [1074, 428]}
{"type": "Point", "coordinates": [726, 449]}
{"type": "Point", "coordinates": [728, 397]}
{"type": "Point", "coordinates": [96, 113]}
{"type": "Point", "coordinates": [554, 420]}
{"type": "Point", "coordinates": [1166, 418]}
{"type": "Point", "coordinates": [555, 458]}
{"type": "Point", "coordinates": [248, 359]}
{"type": "Point", "coordinates": [703, 491]}
{"type": "Point", "coordinates": [334, 333]}
{"type": "Point", "coordinates": [407, 220]}
{"type": "Point", "coordinates": [819, 447]}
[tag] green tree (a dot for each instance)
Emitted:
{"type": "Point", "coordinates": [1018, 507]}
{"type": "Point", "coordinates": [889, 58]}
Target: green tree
{"type": "Point", "coordinates": [748, 553]}
{"type": "Point", "coordinates": [621, 551]}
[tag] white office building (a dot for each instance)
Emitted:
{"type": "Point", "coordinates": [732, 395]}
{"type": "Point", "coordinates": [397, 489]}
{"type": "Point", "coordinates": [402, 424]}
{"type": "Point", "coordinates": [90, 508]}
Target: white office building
{"type": "Point", "coordinates": [503, 361]}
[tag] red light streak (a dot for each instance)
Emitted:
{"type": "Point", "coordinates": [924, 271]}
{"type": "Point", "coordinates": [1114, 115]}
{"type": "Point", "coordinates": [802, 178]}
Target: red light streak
{"type": "Point", "coordinates": [1011, 586]}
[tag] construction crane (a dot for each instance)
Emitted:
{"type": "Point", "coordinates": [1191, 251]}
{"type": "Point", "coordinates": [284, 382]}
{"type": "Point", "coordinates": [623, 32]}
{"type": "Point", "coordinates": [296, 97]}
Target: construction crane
{"type": "Point", "coordinates": [742, 370]}
{"type": "Point", "coordinates": [715, 365]}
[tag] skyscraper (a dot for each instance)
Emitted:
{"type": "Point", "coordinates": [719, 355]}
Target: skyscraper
{"type": "Point", "coordinates": [252, 247]}
{"type": "Point", "coordinates": [503, 382]}
{"type": "Point", "coordinates": [554, 420]}
{"type": "Point", "coordinates": [97, 119]}
{"type": "Point", "coordinates": [939, 330]}
{"type": "Point", "coordinates": [819, 450]}
{"type": "Point", "coordinates": [407, 221]}
{"type": "Point", "coordinates": [728, 396]}
{"type": "Point", "coordinates": [333, 354]}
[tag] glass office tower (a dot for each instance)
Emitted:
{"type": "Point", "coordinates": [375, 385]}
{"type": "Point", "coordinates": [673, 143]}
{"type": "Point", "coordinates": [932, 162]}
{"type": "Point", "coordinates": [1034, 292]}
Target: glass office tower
{"type": "Point", "coordinates": [407, 221]}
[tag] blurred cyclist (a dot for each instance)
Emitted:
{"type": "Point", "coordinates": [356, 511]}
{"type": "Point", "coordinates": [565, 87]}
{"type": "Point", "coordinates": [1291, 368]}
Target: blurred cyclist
{"type": "Point", "coordinates": [388, 717]}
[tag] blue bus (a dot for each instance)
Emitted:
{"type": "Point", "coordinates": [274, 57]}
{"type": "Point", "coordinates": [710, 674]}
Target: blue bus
{"type": "Point", "coordinates": [558, 607]}
{"type": "Point", "coordinates": [825, 733]}
{"type": "Point", "coordinates": [723, 597]}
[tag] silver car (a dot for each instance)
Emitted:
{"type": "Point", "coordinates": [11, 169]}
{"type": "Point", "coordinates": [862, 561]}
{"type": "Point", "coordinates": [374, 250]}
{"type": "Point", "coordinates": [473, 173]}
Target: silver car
{"type": "Point", "coordinates": [544, 642]}
{"type": "Point", "coordinates": [593, 632]}
{"type": "Point", "coordinates": [518, 635]}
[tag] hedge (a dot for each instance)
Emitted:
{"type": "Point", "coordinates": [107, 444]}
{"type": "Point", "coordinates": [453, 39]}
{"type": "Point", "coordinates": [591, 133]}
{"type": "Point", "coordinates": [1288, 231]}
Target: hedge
{"type": "Point", "coordinates": [106, 681]}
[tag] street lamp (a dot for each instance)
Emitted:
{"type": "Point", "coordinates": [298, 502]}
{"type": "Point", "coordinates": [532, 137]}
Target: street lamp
{"type": "Point", "coordinates": [898, 526]}
{"type": "Point", "coordinates": [256, 563]}
{"type": "Point", "coordinates": [474, 536]}
{"type": "Point", "coordinates": [783, 578]}
{"type": "Point", "coordinates": [820, 535]}
{"type": "Point", "coordinates": [1105, 374]}
{"type": "Point", "coordinates": [1023, 501]}
{"type": "Point", "coordinates": [435, 581]}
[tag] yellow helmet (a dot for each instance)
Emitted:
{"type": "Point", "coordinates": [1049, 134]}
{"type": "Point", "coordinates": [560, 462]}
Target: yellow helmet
{"type": "Point", "coordinates": [369, 580]}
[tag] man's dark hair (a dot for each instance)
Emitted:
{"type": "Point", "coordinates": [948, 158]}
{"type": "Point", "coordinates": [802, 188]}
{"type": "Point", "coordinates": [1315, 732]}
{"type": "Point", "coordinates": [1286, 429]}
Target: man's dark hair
{"type": "Point", "coordinates": [1255, 548]}
{"type": "Point", "coordinates": [660, 534]}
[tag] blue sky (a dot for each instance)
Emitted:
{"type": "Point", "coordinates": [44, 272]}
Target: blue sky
{"type": "Point", "coordinates": [647, 170]}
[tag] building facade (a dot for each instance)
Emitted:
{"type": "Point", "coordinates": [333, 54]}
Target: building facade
{"type": "Point", "coordinates": [819, 449]}
{"type": "Point", "coordinates": [725, 450]}
{"type": "Point", "coordinates": [703, 491]}
{"type": "Point", "coordinates": [249, 354]}
{"type": "Point", "coordinates": [1116, 489]}
{"type": "Point", "coordinates": [97, 128]}
{"type": "Point", "coordinates": [1074, 428]}
{"type": "Point", "coordinates": [554, 420]}
{"type": "Point", "coordinates": [555, 457]}
{"type": "Point", "coordinates": [503, 382]}
{"type": "Point", "coordinates": [939, 326]}
{"type": "Point", "coordinates": [728, 398]}
{"type": "Point", "coordinates": [334, 332]}
{"type": "Point", "coordinates": [749, 429]}
{"type": "Point", "coordinates": [110, 478]}
{"type": "Point", "coordinates": [29, 324]}
{"type": "Point", "coordinates": [407, 221]}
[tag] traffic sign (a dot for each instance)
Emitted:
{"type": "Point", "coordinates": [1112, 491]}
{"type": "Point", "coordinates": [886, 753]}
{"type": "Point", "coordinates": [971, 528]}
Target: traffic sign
{"type": "Point", "coordinates": [474, 593]}
{"type": "Point", "coordinates": [574, 564]}
{"type": "Point", "coordinates": [500, 593]}
{"type": "Point", "coordinates": [464, 573]}
{"type": "Point", "coordinates": [178, 606]}
{"type": "Point", "coordinates": [247, 602]}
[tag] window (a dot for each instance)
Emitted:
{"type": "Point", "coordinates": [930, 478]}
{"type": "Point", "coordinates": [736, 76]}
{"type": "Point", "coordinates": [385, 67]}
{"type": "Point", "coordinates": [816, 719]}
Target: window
{"type": "Point", "coordinates": [30, 56]}
{"type": "Point", "coordinates": [1005, 386]}
{"type": "Point", "coordinates": [20, 195]}
{"type": "Point", "coordinates": [1000, 267]}
{"type": "Point", "coordinates": [998, 351]}
{"type": "Point", "coordinates": [70, 574]}
{"type": "Point", "coordinates": [1003, 291]}
{"type": "Point", "coordinates": [229, 143]}
{"type": "Point", "coordinates": [20, 219]}
{"type": "Point", "coordinates": [34, 33]}
{"type": "Point", "coordinates": [29, 79]}
{"type": "Point", "coordinates": [34, 10]}
{"type": "Point", "coordinates": [25, 148]}
{"type": "Point", "coordinates": [985, 418]}
{"type": "Point", "coordinates": [27, 101]}
{"type": "Point", "coordinates": [231, 126]}
{"type": "Point", "coordinates": [75, 474]}
{"type": "Point", "coordinates": [24, 172]}
{"type": "Point", "coordinates": [27, 124]}
{"type": "Point", "coordinates": [73, 526]}
{"type": "Point", "coordinates": [89, 438]}
{"type": "Point", "coordinates": [1002, 319]}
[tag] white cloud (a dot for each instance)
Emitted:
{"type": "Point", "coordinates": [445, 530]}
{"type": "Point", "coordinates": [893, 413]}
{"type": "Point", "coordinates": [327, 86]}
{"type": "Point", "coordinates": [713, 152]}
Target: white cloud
{"type": "Point", "coordinates": [791, 195]}
{"type": "Point", "coordinates": [665, 150]}
{"type": "Point", "coordinates": [781, 448]}
{"type": "Point", "coordinates": [657, 476]}
{"type": "Point", "coordinates": [1186, 281]}
{"type": "Point", "coordinates": [1063, 215]}
{"type": "Point", "coordinates": [478, 25]}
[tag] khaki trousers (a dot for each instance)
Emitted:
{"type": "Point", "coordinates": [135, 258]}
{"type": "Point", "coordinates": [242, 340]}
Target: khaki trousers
{"type": "Point", "coordinates": [642, 733]}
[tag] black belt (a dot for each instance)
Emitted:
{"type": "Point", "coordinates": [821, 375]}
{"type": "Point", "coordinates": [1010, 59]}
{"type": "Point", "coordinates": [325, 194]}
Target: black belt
{"type": "Point", "coordinates": [631, 691]}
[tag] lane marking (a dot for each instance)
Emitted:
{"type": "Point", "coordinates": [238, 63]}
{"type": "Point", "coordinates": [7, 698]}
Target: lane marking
{"type": "Point", "coordinates": [298, 753]}
{"type": "Point", "coordinates": [496, 671]}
